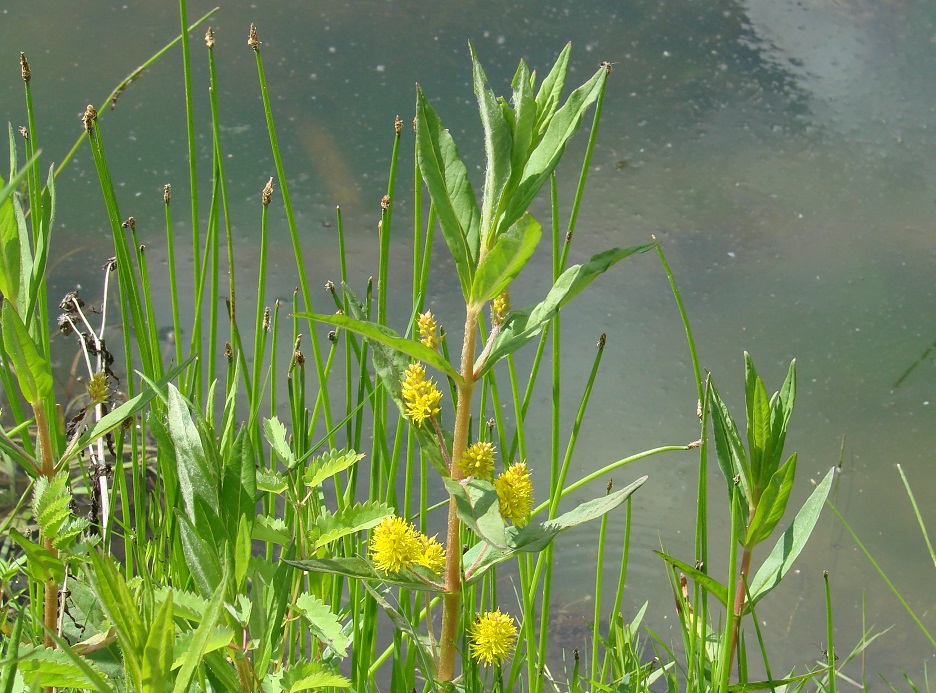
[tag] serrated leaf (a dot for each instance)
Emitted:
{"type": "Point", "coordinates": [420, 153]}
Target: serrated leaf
{"type": "Point", "coordinates": [275, 433]}
{"type": "Point", "coordinates": [361, 516]}
{"type": "Point", "coordinates": [32, 370]}
{"type": "Point", "coordinates": [303, 676]}
{"type": "Point", "coordinates": [48, 667]}
{"type": "Point", "coordinates": [41, 564]}
{"type": "Point", "coordinates": [388, 337]}
{"type": "Point", "coordinates": [791, 542]}
{"type": "Point", "coordinates": [506, 259]}
{"type": "Point", "coordinates": [271, 482]}
{"type": "Point", "coordinates": [522, 326]}
{"type": "Point", "coordinates": [323, 624]}
{"type": "Point", "coordinates": [447, 180]}
{"type": "Point", "coordinates": [185, 604]}
{"type": "Point", "coordinates": [273, 529]}
{"type": "Point", "coordinates": [772, 504]}
{"type": "Point", "coordinates": [327, 465]}
{"type": "Point", "coordinates": [50, 506]}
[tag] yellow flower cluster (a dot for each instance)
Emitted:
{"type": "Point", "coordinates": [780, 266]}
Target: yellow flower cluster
{"type": "Point", "coordinates": [478, 461]}
{"type": "Point", "coordinates": [428, 330]}
{"type": "Point", "coordinates": [492, 637]}
{"type": "Point", "coordinates": [397, 545]}
{"type": "Point", "coordinates": [500, 306]}
{"type": "Point", "coordinates": [420, 395]}
{"type": "Point", "coordinates": [515, 492]}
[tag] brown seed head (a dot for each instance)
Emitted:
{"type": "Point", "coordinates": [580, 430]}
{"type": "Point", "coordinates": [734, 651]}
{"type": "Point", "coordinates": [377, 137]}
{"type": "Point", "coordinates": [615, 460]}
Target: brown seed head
{"type": "Point", "coordinates": [266, 319]}
{"type": "Point", "coordinates": [209, 38]}
{"type": "Point", "coordinates": [398, 124]}
{"type": "Point", "coordinates": [252, 40]}
{"type": "Point", "coordinates": [24, 132]}
{"type": "Point", "coordinates": [385, 202]}
{"type": "Point", "coordinates": [167, 193]}
{"type": "Point", "coordinates": [228, 352]}
{"type": "Point", "coordinates": [130, 223]}
{"type": "Point", "coordinates": [24, 68]}
{"type": "Point", "coordinates": [602, 340]}
{"type": "Point", "coordinates": [90, 115]}
{"type": "Point", "coordinates": [267, 195]}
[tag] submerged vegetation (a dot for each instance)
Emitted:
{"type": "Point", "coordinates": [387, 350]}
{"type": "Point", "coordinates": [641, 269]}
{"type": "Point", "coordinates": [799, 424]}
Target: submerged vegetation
{"type": "Point", "coordinates": [338, 518]}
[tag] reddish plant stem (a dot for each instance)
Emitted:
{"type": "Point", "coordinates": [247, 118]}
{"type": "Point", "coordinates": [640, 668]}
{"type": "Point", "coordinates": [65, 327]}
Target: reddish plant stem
{"type": "Point", "coordinates": [451, 599]}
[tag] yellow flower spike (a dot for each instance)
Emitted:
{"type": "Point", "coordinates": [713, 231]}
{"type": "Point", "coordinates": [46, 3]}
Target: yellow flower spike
{"type": "Point", "coordinates": [433, 554]}
{"type": "Point", "coordinates": [394, 545]}
{"type": "Point", "coordinates": [478, 461]}
{"type": "Point", "coordinates": [500, 306]}
{"type": "Point", "coordinates": [428, 330]}
{"type": "Point", "coordinates": [515, 492]}
{"type": "Point", "coordinates": [420, 395]}
{"type": "Point", "coordinates": [492, 637]}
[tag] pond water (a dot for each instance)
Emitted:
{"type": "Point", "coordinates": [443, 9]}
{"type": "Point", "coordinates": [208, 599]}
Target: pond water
{"type": "Point", "coordinates": [781, 150]}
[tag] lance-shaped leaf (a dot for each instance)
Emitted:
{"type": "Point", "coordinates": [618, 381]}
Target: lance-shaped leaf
{"type": "Point", "coordinates": [506, 259]}
{"type": "Point", "coordinates": [447, 180]}
{"type": "Point", "coordinates": [781, 408]}
{"type": "Point", "coordinates": [498, 144]}
{"type": "Point", "coordinates": [711, 585]}
{"type": "Point", "coordinates": [549, 149]}
{"type": "Point", "coordinates": [547, 98]}
{"type": "Point", "coordinates": [524, 120]}
{"type": "Point", "coordinates": [524, 325]}
{"type": "Point", "coordinates": [534, 537]}
{"type": "Point", "coordinates": [791, 542]}
{"type": "Point", "coordinates": [386, 336]}
{"type": "Point", "coordinates": [11, 267]}
{"type": "Point", "coordinates": [772, 504]}
{"type": "Point", "coordinates": [32, 370]}
{"type": "Point", "coordinates": [757, 409]}
{"type": "Point", "coordinates": [197, 477]}
{"type": "Point", "coordinates": [417, 578]}
{"type": "Point", "coordinates": [478, 506]}
{"type": "Point", "coordinates": [41, 565]}
{"type": "Point", "coordinates": [729, 450]}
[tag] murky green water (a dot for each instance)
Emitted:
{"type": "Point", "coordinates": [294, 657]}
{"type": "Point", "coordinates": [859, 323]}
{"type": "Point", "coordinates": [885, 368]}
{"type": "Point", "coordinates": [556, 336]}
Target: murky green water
{"type": "Point", "coordinates": [782, 151]}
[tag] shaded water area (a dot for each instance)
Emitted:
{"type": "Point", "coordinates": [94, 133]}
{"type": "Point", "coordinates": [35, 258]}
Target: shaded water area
{"type": "Point", "coordinates": [781, 150]}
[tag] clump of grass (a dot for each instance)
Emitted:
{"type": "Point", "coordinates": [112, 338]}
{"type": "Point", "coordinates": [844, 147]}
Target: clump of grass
{"type": "Point", "coordinates": [238, 551]}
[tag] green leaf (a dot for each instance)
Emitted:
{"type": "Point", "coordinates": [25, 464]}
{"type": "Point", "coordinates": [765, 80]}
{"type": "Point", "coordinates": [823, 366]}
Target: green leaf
{"type": "Point", "coordinates": [522, 326]}
{"type": "Point", "coordinates": [387, 337]}
{"type": "Point", "coordinates": [38, 270]}
{"type": "Point", "coordinates": [423, 648]}
{"type": "Point", "coordinates": [199, 644]}
{"type": "Point", "coordinates": [157, 652]}
{"type": "Point", "coordinates": [447, 180]}
{"type": "Point", "coordinates": [273, 529]}
{"type": "Point", "coordinates": [781, 411]}
{"type": "Point", "coordinates": [390, 365]}
{"type": "Point", "coordinates": [550, 91]}
{"type": "Point", "coordinates": [114, 596]}
{"type": "Point", "coordinates": [478, 506]}
{"type": "Point", "coordinates": [498, 145]}
{"type": "Point", "coordinates": [41, 565]}
{"type": "Point", "coordinates": [275, 433]}
{"type": "Point", "coordinates": [729, 450]}
{"type": "Point", "coordinates": [46, 667]}
{"type": "Point", "coordinates": [772, 504]}
{"type": "Point", "coordinates": [524, 120]}
{"type": "Point", "coordinates": [549, 149]}
{"type": "Point", "coordinates": [757, 409]}
{"type": "Point", "coordinates": [791, 542]}
{"type": "Point", "coordinates": [219, 637]}
{"type": "Point", "coordinates": [50, 506]}
{"type": "Point", "coordinates": [330, 527]}
{"type": "Point", "coordinates": [131, 407]}
{"type": "Point", "coordinates": [304, 676]}
{"type": "Point", "coordinates": [271, 482]}
{"type": "Point", "coordinates": [535, 537]}
{"type": "Point", "coordinates": [242, 549]}
{"type": "Point", "coordinates": [506, 259]}
{"type": "Point", "coordinates": [197, 479]}
{"type": "Point", "coordinates": [202, 554]}
{"type": "Point", "coordinates": [323, 623]}
{"type": "Point", "coordinates": [187, 605]}
{"type": "Point", "coordinates": [710, 584]}
{"type": "Point", "coordinates": [418, 578]}
{"type": "Point", "coordinates": [10, 237]}
{"type": "Point", "coordinates": [32, 370]}
{"type": "Point", "coordinates": [327, 465]}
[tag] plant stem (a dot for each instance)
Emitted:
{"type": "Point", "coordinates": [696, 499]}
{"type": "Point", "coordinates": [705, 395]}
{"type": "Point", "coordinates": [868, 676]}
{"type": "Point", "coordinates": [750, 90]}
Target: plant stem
{"type": "Point", "coordinates": [739, 603]}
{"type": "Point", "coordinates": [451, 601]}
{"type": "Point", "coordinates": [50, 600]}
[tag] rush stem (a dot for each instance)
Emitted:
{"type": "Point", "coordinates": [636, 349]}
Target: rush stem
{"type": "Point", "coordinates": [451, 598]}
{"type": "Point", "coordinates": [50, 596]}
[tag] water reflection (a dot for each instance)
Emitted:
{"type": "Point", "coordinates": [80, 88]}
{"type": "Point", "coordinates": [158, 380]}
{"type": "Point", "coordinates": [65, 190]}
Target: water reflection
{"type": "Point", "coordinates": [781, 151]}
